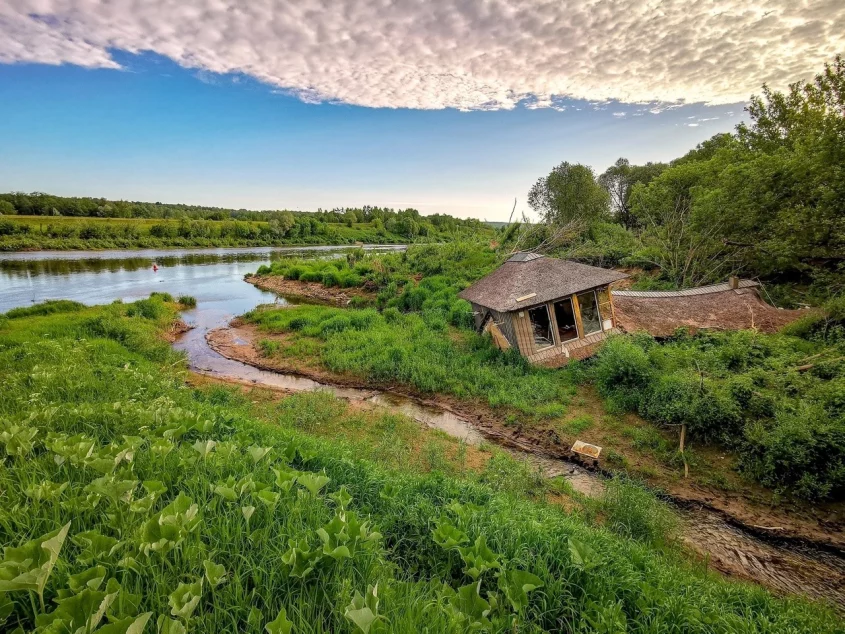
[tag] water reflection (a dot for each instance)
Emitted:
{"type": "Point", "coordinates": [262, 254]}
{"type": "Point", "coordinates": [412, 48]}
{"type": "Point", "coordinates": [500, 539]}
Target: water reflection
{"type": "Point", "coordinates": [213, 276]}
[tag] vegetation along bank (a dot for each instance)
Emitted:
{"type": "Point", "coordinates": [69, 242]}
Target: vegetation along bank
{"type": "Point", "coordinates": [136, 501]}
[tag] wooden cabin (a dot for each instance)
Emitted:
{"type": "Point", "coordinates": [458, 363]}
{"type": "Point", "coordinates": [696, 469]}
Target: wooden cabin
{"type": "Point", "coordinates": [550, 310]}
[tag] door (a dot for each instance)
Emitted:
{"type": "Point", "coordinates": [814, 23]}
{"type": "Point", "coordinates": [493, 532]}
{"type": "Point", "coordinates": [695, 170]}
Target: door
{"type": "Point", "coordinates": [567, 329]}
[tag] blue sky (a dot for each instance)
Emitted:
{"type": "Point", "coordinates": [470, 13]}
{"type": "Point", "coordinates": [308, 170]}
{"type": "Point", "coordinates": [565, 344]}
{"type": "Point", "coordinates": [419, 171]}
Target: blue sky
{"type": "Point", "coordinates": [158, 132]}
{"type": "Point", "coordinates": [452, 106]}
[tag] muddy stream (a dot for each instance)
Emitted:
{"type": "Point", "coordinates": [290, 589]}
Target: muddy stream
{"type": "Point", "coordinates": [784, 566]}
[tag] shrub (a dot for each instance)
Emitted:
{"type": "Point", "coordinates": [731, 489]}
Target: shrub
{"type": "Point", "coordinates": [187, 301]}
{"type": "Point", "coordinates": [622, 371]}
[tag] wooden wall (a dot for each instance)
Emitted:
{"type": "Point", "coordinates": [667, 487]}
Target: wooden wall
{"type": "Point", "coordinates": [517, 330]}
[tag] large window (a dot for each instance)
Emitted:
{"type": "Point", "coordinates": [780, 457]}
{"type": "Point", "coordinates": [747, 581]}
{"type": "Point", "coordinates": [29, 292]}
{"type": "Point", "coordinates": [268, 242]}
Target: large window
{"type": "Point", "coordinates": [541, 326]}
{"type": "Point", "coordinates": [590, 316]}
{"type": "Point", "coordinates": [565, 317]}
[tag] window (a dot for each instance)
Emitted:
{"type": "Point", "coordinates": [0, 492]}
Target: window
{"type": "Point", "coordinates": [590, 316]}
{"type": "Point", "coordinates": [605, 308]}
{"type": "Point", "coordinates": [565, 317]}
{"type": "Point", "coordinates": [541, 326]}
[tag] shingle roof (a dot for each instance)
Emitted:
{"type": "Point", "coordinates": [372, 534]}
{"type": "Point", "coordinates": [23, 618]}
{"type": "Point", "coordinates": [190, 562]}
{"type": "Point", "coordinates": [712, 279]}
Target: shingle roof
{"type": "Point", "coordinates": [535, 280]}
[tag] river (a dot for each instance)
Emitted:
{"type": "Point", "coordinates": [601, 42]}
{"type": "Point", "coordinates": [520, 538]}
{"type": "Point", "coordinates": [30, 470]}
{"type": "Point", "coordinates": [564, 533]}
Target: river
{"type": "Point", "coordinates": [215, 278]}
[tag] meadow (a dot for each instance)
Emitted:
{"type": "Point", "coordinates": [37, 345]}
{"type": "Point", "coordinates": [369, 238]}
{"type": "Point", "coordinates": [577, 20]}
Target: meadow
{"type": "Point", "coordinates": [747, 392]}
{"type": "Point", "coordinates": [135, 503]}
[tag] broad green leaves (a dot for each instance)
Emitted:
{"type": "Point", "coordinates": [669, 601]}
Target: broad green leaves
{"type": "Point", "coordinates": [279, 625]}
{"type": "Point", "coordinates": [479, 558]}
{"type": "Point", "coordinates": [185, 599]}
{"type": "Point", "coordinates": [583, 556]}
{"type": "Point", "coordinates": [447, 535]}
{"type": "Point", "coordinates": [166, 530]}
{"type": "Point", "coordinates": [28, 567]}
{"type": "Point", "coordinates": [313, 482]}
{"type": "Point", "coordinates": [215, 573]}
{"type": "Point", "coordinates": [299, 558]}
{"type": "Point", "coordinates": [516, 584]}
{"type": "Point", "coordinates": [363, 610]}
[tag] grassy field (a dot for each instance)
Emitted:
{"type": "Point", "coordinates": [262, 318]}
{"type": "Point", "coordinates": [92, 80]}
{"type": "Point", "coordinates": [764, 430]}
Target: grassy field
{"type": "Point", "coordinates": [133, 503]}
{"type": "Point", "coordinates": [67, 232]}
{"type": "Point", "coordinates": [747, 392]}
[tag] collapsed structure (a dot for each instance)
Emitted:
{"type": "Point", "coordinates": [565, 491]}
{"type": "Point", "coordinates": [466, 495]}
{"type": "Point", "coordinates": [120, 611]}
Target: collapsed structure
{"type": "Point", "coordinates": [550, 310]}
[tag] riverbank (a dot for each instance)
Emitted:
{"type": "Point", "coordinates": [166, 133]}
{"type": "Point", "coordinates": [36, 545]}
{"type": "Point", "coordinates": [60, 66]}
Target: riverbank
{"type": "Point", "coordinates": [312, 291]}
{"type": "Point", "coordinates": [244, 498]}
{"type": "Point", "coordinates": [786, 565]}
{"type": "Point", "coordinates": [752, 508]}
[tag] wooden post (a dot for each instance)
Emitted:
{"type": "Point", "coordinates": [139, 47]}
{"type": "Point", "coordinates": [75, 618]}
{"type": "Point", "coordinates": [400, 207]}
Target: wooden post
{"type": "Point", "coordinates": [683, 438]}
{"type": "Point", "coordinates": [733, 282]}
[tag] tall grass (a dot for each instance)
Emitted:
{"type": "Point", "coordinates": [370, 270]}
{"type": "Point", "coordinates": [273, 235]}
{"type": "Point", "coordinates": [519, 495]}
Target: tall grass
{"type": "Point", "coordinates": [417, 350]}
{"type": "Point", "coordinates": [119, 452]}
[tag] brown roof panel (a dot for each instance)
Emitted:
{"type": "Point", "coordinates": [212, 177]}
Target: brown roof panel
{"type": "Point", "coordinates": [537, 280]}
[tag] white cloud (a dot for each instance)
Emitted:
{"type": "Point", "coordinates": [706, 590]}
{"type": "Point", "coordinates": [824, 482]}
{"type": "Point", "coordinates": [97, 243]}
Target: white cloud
{"type": "Point", "coordinates": [463, 54]}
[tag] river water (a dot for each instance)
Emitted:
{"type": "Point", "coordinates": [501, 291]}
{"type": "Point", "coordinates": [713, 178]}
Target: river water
{"type": "Point", "coordinates": [215, 278]}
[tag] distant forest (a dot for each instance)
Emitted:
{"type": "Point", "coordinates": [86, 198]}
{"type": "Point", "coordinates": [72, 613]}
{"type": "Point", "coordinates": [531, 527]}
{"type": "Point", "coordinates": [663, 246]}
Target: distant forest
{"type": "Point", "coordinates": [405, 222]}
{"type": "Point", "coordinates": [45, 221]}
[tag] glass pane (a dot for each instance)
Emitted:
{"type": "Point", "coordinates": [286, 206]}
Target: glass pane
{"type": "Point", "coordinates": [565, 317]}
{"type": "Point", "coordinates": [541, 325]}
{"type": "Point", "coordinates": [590, 318]}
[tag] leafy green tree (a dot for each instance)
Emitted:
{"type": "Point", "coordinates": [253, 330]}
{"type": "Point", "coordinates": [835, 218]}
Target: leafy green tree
{"type": "Point", "coordinates": [619, 180]}
{"type": "Point", "coordinates": [7, 208]}
{"type": "Point", "coordinates": [569, 193]}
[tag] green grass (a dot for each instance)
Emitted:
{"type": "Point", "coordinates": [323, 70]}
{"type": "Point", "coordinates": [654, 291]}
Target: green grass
{"type": "Point", "coordinates": [119, 452]}
{"type": "Point", "coordinates": [416, 350]}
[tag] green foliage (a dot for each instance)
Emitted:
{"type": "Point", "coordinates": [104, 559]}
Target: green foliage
{"type": "Point", "coordinates": [51, 222]}
{"type": "Point", "coordinates": [747, 391]}
{"type": "Point", "coordinates": [122, 429]}
{"type": "Point", "coordinates": [412, 349]}
{"type": "Point", "coordinates": [570, 193]}
{"type": "Point", "coordinates": [187, 301]}
{"type": "Point", "coordinates": [50, 307]}
{"type": "Point", "coordinates": [632, 510]}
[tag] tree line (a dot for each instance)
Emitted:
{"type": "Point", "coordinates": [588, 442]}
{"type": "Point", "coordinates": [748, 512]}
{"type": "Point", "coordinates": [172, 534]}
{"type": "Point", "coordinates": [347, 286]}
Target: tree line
{"type": "Point", "coordinates": [767, 200]}
{"type": "Point", "coordinates": [407, 223]}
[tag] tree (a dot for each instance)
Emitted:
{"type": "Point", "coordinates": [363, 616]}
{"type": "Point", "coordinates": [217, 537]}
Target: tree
{"type": "Point", "coordinates": [569, 193]}
{"type": "Point", "coordinates": [7, 208]}
{"type": "Point", "coordinates": [619, 180]}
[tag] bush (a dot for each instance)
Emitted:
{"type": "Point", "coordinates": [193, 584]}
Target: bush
{"type": "Point", "coordinates": [187, 301]}
{"type": "Point", "coordinates": [622, 372]}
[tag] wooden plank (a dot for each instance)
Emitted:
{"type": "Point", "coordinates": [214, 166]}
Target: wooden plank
{"type": "Point", "coordinates": [577, 308]}
{"type": "Point", "coordinates": [524, 336]}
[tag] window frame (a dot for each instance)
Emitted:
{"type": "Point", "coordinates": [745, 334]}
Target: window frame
{"type": "Point", "coordinates": [551, 330]}
{"type": "Point", "coordinates": [598, 310]}
{"type": "Point", "coordinates": [574, 320]}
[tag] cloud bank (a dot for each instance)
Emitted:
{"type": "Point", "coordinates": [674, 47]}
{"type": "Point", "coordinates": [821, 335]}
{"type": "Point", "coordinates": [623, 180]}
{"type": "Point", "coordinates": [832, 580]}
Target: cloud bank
{"type": "Point", "coordinates": [430, 54]}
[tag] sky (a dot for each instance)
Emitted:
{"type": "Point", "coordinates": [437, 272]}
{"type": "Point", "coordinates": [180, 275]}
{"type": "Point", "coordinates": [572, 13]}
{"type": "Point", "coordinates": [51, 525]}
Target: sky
{"type": "Point", "coordinates": [450, 106]}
